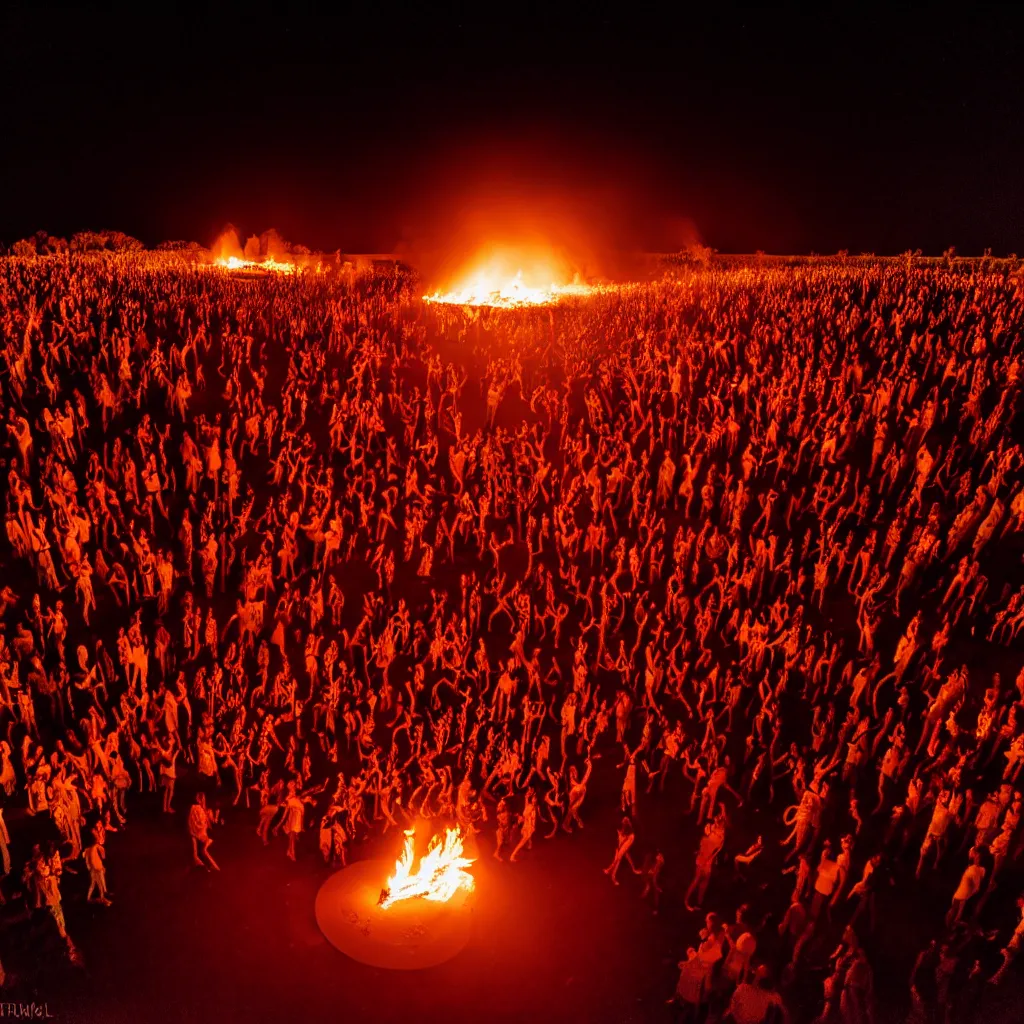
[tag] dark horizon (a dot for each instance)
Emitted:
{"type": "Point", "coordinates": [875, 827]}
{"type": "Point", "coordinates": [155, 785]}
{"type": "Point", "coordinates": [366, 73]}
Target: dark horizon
{"type": "Point", "coordinates": [746, 131]}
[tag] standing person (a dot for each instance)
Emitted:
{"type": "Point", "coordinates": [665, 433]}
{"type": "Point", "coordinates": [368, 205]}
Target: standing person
{"type": "Point", "coordinates": [651, 872]}
{"type": "Point", "coordinates": [626, 839]}
{"type": "Point", "coordinates": [628, 799]}
{"type": "Point", "coordinates": [742, 944]}
{"type": "Point", "coordinates": [270, 804]}
{"type": "Point", "coordinates": [94, 858]}
{"type": "Point", "coordinates": [708, 849]}
{"type": "Point", "coordinates": [332, 836]}
{"type": "Point", "coordinates": [168, 774]}
{"type": "Point", "coordinates": [503, 836]}
{"type": "Point", "coordinates": [935, 837]}
{"type": "Point", "coordinates": [826, 881]}
{"type": "Point", "coordinates": [199, 821]}
{"type": "Point", "coordinates": [576, 795]}
{"type": "Point", "coordinates": [122, 782]}
{"type": "Point", "coordinates": [753, 1001]}
{"type": "Point", "coordinates": [690, 988]}
{"type": "Point", "coordinates": [326, 837]}
{"type": "Point", "coordinates": [294, 812]}
{"type": "Point", "coordinates": [711, 950]}
{"type": "Point", "coordinates": [1012, 948]}
{"type": "Point", "coordinates": [528, 824]}
{"type": "Point", "coordinates": [717, 780]}
{"type": "Point", "coordinates": [970, 883]}
{"type": "Point", "coordinates": [49, 889]}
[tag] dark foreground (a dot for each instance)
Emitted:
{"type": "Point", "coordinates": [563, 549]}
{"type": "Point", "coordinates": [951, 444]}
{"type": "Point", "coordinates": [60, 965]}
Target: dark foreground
{"type": "Point", "coordinates": [553, 939]}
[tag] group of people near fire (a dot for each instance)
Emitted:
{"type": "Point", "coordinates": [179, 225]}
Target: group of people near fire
{"type": "Point", "coordinates": [734, 554]}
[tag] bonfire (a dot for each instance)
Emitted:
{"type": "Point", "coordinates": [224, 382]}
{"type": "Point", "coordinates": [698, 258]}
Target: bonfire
{"type": "Point", "coordinates": [441, 872]}
{"type": "Point", "coordinates": [486, 288]}
{"type": "Point", "coordinates": [269, 263]}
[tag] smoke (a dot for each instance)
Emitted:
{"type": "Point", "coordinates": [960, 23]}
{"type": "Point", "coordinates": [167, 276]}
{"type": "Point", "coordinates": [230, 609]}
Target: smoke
{"type": "Point", "coordinates": [554, 208]}
{"type": "Point", "coordinates": [227, 244]}
{"type": "Point", "coordinates": [591, 209]}
{"type": "Point", "coordinates": [543, 237]}
{"type": "Point", "coordinates": [678, 233]}
{"type": "Point", "coordinates": [257, 247]}
{"type": "Point", "coordinates": [274, 246]}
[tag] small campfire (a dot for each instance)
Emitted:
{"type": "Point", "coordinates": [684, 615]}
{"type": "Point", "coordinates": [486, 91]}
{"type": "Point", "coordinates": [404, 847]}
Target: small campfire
{"type": "Point", "coordinates": [440, 874]}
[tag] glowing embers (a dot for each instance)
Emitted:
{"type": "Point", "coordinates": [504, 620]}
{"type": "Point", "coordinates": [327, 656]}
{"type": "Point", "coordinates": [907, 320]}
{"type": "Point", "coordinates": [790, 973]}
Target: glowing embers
{"type": "Point", "coordinates": [487, 289]}
{"type": "Point", "coordinates": [268, 264]}
{"type": "Point", "coordinates": [441, 872]}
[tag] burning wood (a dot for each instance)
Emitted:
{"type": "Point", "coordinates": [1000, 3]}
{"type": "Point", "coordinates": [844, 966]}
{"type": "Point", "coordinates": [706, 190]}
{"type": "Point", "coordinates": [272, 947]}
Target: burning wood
{"type": "Point", "coordinates": [236, 263]}
{"type": "Point", "coordinates": [485, 289]}
{"type": "Point", "coordinates": [440, 875]}
{"type": "Point", "coordinates": [259, 253]}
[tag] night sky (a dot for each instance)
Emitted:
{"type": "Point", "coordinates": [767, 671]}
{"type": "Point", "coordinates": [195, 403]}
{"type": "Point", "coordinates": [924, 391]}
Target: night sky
{"type": "Point", "coordinates": [393, 128]}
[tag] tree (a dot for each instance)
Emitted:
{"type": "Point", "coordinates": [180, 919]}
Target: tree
{"type": "Point", "coordinates": [87, 241]}
{"type": "Point", "coordinates": [120, 242]}
{"type": "Point", "coordinates": [49, 245]}
{"type": "Point", "coordinates": [116, 241]}
{"type": "Point", "coordinates": [24, 247]}
{"type": "Point", "coordinates": [699, 254]}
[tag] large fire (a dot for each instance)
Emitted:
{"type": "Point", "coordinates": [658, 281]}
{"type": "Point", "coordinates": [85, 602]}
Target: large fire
{"type": "Point", "coordinates": [258, 254]}
{"type": "Point", "coordinates": [511, 276]}
{"type": "Point", "coordinates": [269, 263]}
{"type": "Point", "coordinates": [486, 289]}
{"type": "Point", "coordinates": [440, 875]}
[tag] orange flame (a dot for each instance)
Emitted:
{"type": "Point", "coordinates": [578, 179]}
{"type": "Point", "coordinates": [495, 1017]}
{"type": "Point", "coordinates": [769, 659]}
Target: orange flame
{"type": "Point", "coordinates": [228, 253]}
{"type": "Point", "coordinates": [440, 875]}
{"type": "Point", "coordinates": [237, 263]}
{"type": "Point", "coordinates": [496, 278]}
{"type": "Point", "coordinates": [482, 290]}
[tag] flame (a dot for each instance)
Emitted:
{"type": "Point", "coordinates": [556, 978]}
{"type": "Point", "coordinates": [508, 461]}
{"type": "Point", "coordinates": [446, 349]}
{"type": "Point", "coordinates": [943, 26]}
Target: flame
{"type": "Point", "coordinates": [512, 276]}
{"type": "Point", "coordinates": [228, 252]}
{"type": "Point", "coordinates": [510, 293]}
{"type": "Point", "coordinates": [237, 263]}
{"type": "Point", "coordinates": [440, 875]}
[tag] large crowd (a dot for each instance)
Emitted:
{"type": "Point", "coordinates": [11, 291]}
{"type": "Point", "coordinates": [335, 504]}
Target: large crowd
{"type": "Point", "coordinates": [743, 543]}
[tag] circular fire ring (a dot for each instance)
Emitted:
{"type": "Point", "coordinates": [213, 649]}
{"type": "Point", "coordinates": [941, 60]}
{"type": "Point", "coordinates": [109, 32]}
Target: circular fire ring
{"type": "Point", "coordinates": [408, 936]}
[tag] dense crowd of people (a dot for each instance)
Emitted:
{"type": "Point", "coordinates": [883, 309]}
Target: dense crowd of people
{"type": "Point", "coordinates": [741, 544]}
